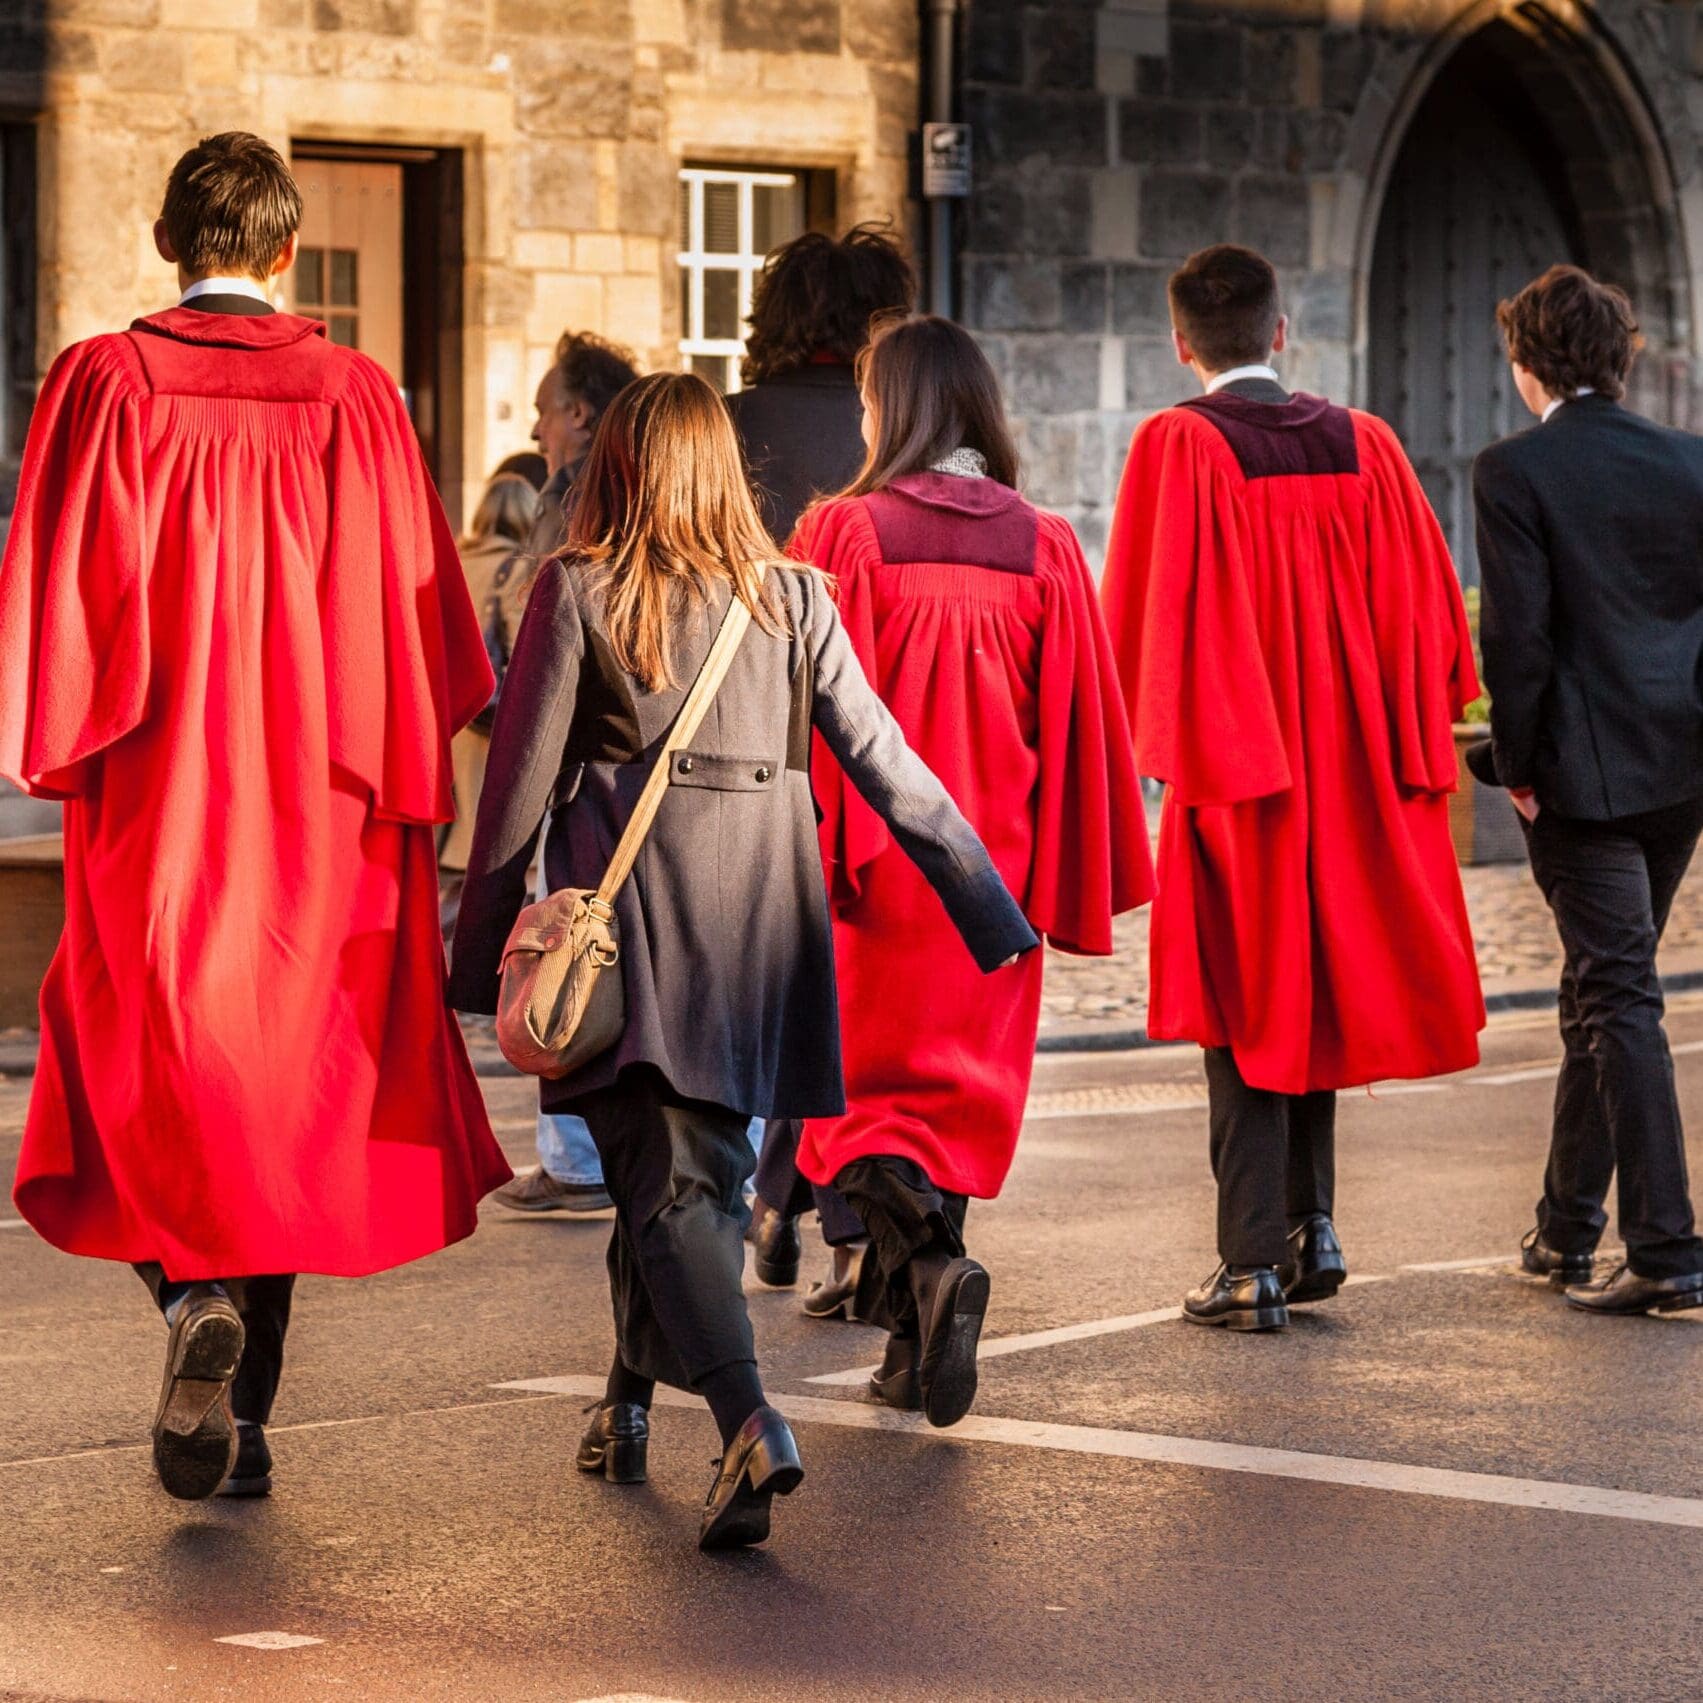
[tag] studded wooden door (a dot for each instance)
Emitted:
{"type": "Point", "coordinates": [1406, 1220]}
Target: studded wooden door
{"type": "Point", "coordinates": [1473, 212]}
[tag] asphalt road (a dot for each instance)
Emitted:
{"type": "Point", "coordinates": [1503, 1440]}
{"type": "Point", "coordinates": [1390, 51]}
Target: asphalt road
{"type": "Point", "coordinates": [1442, 1485]}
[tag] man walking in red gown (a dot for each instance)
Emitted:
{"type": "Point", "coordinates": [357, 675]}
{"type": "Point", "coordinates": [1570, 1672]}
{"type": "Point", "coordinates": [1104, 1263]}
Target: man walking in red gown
{"type": "Point", "coordinates": [235, 640]}
{"type": "Point", "coordinates": [1294, 649]}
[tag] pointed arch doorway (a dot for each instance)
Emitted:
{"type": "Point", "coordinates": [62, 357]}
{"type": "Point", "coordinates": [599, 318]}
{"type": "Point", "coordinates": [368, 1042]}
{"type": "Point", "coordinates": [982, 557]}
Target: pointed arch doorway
{"type": "Point", "coordinates": [1521, 152]}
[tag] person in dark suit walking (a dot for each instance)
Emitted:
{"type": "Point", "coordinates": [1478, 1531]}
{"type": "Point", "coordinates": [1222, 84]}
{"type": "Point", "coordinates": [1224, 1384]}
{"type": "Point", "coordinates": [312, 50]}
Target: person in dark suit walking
{"type": "Point", "coordinates": [1590, 539]}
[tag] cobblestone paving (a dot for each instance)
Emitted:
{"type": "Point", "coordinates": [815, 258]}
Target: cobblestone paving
{"type": "Point", "coordinates": [1510, 923]}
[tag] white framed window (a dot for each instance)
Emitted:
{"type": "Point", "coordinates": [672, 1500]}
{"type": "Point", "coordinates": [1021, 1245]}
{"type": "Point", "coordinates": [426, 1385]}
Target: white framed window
{"type": "Point", "coordinates": [730, 219]}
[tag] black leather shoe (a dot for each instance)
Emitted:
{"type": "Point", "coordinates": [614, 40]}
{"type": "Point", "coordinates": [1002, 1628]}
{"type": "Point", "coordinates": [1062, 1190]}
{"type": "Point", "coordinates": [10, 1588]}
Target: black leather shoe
{"type": "Point", "coordinates": [1315, 1269]}
{"type": "Point", "coordinates": [895, 1382]}
{"type": "Point", "coordinates": [616, 1442]}
{"type": "Point", "coordinates": [252, 1474]}
{"type": "Point", "coordinates": [1541, 1260]}
{"type": "Point", "coordinates": [951, 1319]}
{"type": "Point", "coordinates": [760, 1464]}
{"type": "Point", "coordinates": [775, 1239]}
{"type": "Point", "coordinates": [836, 1297]}
{"type": "Point", "coordinates": [1624, 1291]}
{"type": "Point", "coordinates": [1251, 1300]}
{"type": "Point", "coordinates": [195, 1433]}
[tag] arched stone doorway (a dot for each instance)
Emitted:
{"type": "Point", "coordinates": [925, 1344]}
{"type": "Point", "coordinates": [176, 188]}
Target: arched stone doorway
{"type": "Point", "coordinates": [1520, 153]}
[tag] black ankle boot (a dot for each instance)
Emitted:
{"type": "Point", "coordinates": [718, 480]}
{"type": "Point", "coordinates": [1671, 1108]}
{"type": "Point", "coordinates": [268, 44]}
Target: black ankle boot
{"type": "Point", "coordinates": [616, 1442]}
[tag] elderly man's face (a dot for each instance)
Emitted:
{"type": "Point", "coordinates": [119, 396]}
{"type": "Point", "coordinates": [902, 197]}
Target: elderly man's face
{"type": "Point", "coordinates": [562, 430]}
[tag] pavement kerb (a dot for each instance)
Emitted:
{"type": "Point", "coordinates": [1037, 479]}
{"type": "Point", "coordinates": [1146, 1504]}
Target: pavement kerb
{"type": "Point", "coordinates": [18, 1059]}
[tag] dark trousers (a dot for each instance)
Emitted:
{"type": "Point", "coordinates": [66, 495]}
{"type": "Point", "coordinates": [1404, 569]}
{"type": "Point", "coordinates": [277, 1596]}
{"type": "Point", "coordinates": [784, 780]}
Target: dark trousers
{"type": "Point", "coordinates": [676, 1170]}
{"type": "Point", "coordinates": [1611, 886]}
{"type": "Point", "coordinates": [1274, 1158]}
{"type": "Point", "coordinates": [264, 1303]}
{"type": "Point", "coordinates": [906, 1216]}
{"type": "Point", "coordinates": [780, 1185]}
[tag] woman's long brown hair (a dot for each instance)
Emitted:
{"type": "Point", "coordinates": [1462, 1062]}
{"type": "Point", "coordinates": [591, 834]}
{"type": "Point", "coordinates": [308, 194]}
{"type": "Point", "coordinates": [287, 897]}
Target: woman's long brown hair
{"type": "Point", "coordinates": [933, 392]}
{"type": "Point", "coordinates": [663, 509]}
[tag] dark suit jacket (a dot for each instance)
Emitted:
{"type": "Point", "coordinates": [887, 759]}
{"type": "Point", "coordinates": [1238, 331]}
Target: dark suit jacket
{"type": "Point", "coordinates": [1590, 540]}
{"type": "Point", "coordinates": [802, 433]}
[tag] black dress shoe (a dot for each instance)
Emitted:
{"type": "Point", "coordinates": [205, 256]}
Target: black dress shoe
{"type": "Point", "coordinates": [895, 1382]}
{"type": "Point", "coordinates": [760, 1464]}
{"type": "Point", "coordinates": [774, 1237]}
{"type": "Point", "coordinates": [616, 1442]}
{"type": "Point", "coordinates": [1541, 1260]}
{"type": "Point", "coordinates": [195, 1433]}
{"type": "Point", "coordinates": [1624, 1291]}
{"type": "Point", "coordinates": [1315, 1269]}
{"type": "Point", "coordinates": [951, 1319]}
{"type": "Point", "coordinates": [836, 1297]}
{"type": "Point", "coordinates": [252, 1474]}
{"type": "Point", "coordinates": [1251, 1300]}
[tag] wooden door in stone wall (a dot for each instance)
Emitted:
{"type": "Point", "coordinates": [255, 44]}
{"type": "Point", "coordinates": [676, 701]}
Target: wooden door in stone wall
{"type": "Point", "coordinates": [1473, 211]}
{"type": "Point", "coordinates": [349, 271]}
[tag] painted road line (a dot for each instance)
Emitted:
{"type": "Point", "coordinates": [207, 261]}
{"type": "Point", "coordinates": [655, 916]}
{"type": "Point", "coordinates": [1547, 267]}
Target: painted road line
{"type": "Point", "coordinates": [270, 1640]}
{"type": "Point", "coordinates": [1541, 1072]}
{"type": "Point", "coordinates": [991, 1348]}
{"type": "Point", "coordinates": [1348, 1471]}
{"type": "Point", "coordinates": [14, 1224]}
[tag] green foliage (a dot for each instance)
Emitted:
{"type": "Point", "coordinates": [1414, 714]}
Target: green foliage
{"type": "Point", "coordinates": [1479, 709]}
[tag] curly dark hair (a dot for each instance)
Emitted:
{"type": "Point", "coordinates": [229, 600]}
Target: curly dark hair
{"type": "Point", "coordinates": [593, 369]}
{"type": "Point", "coordinates": [1570, 332]}
{"type": "Point", "coordinates": [818, 296]}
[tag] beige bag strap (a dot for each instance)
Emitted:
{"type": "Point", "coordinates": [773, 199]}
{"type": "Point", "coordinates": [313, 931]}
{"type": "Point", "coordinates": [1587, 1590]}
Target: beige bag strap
{"type": "Point", "coordinates": [686, 725]}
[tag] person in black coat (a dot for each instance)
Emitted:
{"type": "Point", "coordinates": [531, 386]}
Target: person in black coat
{"type": "Point", "coordinates": [1590, 540]}
{"type": "Point", "coordinates": [800, 425]}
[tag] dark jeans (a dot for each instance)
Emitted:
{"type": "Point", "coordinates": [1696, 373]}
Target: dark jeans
{"type": "Point", "coordinates": [780, 1185]}
{"type": "Point", "coordinates": [264, 1303]}
{"type": "Point", "coordinates": [1274, 1157]}
{"type": "Point", "coordinates": [1611, 886]}
{"type": "Point", "coordinates": [675, 1169]}
{"type": "Point", "coordinates": [907, 1216]}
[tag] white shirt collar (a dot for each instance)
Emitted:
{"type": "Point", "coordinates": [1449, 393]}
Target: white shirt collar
{"type": "Point", "coordinates": [1562, 401]}
{"type": "Point", "coordinates": [225, 287]}
{"type": "Point", "coordinates": [1236, 374]}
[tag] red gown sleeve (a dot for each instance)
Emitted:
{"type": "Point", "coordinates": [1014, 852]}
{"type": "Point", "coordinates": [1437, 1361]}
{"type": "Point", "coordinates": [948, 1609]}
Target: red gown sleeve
{"type": "Point", "coordinates": [1180, 611]}
{"type": "Point", "coordinates": [1419, 623]}
{"type": "Point", "coordinates": [839, 538]}
{"type": "Point", "coordinates": [405, 666]}
{"type": "Point", "coordinates": [74, 637]}
{"type": "Point", "coordinates": [1091, 859]}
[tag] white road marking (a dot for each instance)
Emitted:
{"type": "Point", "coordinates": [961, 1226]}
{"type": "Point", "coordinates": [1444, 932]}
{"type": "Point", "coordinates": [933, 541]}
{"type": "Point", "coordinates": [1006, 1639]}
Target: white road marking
{"type": "Point", "coordinates": [14, 1223]}
{"type": "Point", "coordinates": [995, 1346]}
{"type": "Point", "coordinates": [269, 1640]}
{"type": "Point", "coordinates": [1347, 1470]}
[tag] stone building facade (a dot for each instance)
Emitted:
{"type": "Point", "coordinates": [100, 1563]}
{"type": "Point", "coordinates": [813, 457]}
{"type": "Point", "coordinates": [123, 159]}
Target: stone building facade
{"type": "Point", "coordinates": [1403, 162]}
{"type": "Point", "coordinates": [539, 144]}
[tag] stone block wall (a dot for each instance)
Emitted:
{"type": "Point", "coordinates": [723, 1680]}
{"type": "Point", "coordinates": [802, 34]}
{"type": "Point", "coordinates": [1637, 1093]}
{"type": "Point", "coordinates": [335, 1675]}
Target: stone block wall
{"type": "Point", "coordinates": [1115, 137]}
{"type": "Point", "coordinates": [573, 115]}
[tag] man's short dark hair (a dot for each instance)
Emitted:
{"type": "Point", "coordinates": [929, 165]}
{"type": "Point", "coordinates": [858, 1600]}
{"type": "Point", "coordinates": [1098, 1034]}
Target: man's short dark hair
{"type": "Point", "coordinates": [817, 296]}
{"type": "Point", "coordinates": [593, 370]}
{"type": "Point", "coordinates": [1224, 301]}
{"type": "Point", "coordinates": [1570, 332]}
{"type": "Point", "coordinates": [230, 206]}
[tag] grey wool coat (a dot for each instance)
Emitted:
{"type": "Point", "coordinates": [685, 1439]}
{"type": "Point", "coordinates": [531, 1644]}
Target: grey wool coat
{"type": "Point", "coordinates": [726, 944]}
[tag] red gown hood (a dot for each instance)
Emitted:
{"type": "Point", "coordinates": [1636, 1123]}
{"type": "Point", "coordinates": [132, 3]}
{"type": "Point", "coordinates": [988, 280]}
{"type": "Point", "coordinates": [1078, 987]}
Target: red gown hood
{"type": "Point", "coordinates": [230, 330]}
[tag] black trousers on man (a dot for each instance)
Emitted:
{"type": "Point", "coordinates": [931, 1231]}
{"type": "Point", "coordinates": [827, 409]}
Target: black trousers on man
{"type": "Point", "coordinates": [1274, 1158]}
{"type": "Point", "coordinates": [675, 1169]}
{"type": "Point", "coordinates": [1611, 886]}
{"type": "Point", "coordinates": [264, 1303]}
{"type": "Point", "coordinates": [906, 1216]}
{"type": "Point", "coordinates": [783, 1186]}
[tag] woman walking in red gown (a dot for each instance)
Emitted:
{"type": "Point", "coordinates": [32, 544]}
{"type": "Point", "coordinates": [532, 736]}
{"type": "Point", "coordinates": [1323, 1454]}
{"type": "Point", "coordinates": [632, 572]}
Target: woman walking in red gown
{"type": "Point", "coordinates": [975, 616]}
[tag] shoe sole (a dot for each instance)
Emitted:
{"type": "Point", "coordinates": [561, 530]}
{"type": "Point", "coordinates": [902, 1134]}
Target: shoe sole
{"type": "Point", "coordinates": [1244, 1318]}
{"type": "Point", "coordinates": [195, 1433]}
{"type": "Point", "coordinates": [811, 1309]}
{"type": "Point", "coordinates": [1317, 1286]}
{"type": "Point", "coordinates": [574, 1207]}
{"type": "Point", "coordinates": [1674, 1304]}
{"type": "Point", "coordinates": [776, 1276]}
{"type": "Point", "coordinates": [239, 1487]}
{"type": "Point", "coordinates": [947, 1375]}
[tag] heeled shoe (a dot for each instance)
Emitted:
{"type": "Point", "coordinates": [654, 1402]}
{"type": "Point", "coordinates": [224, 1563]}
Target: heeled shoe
{"type": "Point", "coordinates": [1315, 1269]}
{"type": "Point", "coordinates": [760, 1464]}
{"type": "Point", "coordinates": [195, 1432]}
{"type": "Point", "coordinates": [616, 1442]}
{"type": "Point", "coordinates": [775, 1245]}
{"type": "Point", "coordinates": [836, 1297]}
{"type": "Point", "coordinates": [951, 1328]}
{"type": "Point", "coordinates": [895, 1382]}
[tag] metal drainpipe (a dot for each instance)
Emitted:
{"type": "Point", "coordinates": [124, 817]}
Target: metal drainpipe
{"type": "Point", "coordinates": [942, 18]}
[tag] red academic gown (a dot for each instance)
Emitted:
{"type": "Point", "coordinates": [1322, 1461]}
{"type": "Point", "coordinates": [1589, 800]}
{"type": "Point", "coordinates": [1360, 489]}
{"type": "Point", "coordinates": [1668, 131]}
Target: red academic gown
{"type": "Point", "coordinates": [975, 618]}
{"type": "Point", "coordinates": [235, 639]}
{"type": "Point", "coordinates": [1294, 649]}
